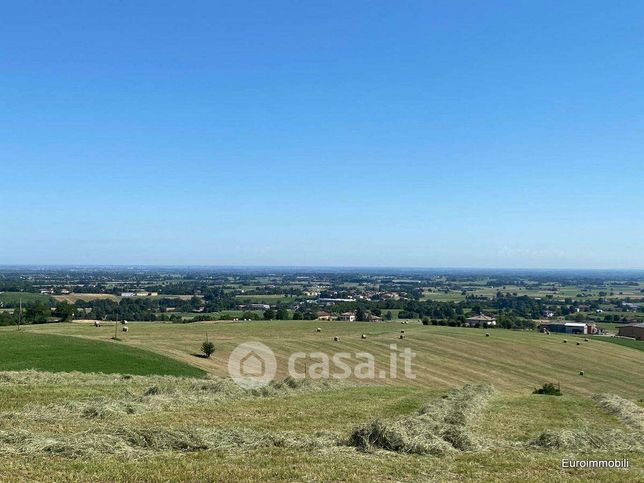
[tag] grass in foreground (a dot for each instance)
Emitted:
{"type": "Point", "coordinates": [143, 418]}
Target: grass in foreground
{"type": "Point", "coordinates": [203, 429]}
{"type": "Point", "coordinates": [25, 350]}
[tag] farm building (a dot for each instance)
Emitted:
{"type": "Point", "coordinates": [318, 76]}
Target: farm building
{"type": "Point", "coordinates": [481, 321]}
{"type": "Point", "coordinates": [374, 318]}
{"type": "Point", "coordinates": [255, 306]}
{"type": "Point", "coordinates": [348, 316]}
{"type": "Point", "coordinates": [631, 330]}
{"type": "Point", "coordinates": [326, 300]}
{"type": "Point", "coordinates": [631, 306]}
{"type": "Point", "coordinates": [322, 315]}
{"type": "Point", "coordinates": [568, 327]}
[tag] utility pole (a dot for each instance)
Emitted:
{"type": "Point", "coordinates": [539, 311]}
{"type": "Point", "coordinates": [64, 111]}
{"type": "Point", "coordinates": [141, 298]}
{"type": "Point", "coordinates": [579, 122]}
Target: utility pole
{"type": "Point", "coordinates": [19, 312]}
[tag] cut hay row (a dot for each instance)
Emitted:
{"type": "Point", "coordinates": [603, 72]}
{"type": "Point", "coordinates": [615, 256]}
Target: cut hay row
{"type": "Point", "coordinates": [438, 428]}
{"type": "Point", "coordinates": [168, 393]}
{"type": "Point", "coordinates": [84, 379]}
{"type": "Point", "coordinates": [134, 442]}
{"type": "Point", "coordinates": [630, 413]}
{"type": "Point", "coordinates": [589, 439]}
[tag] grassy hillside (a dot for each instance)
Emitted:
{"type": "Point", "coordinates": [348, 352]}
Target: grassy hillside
{"type": "Point", "coordinates": [26, 350]}
{"type": "Point", "coordinates": [59, 426]}
{"type": "Point", "coordinates": [446, 356]}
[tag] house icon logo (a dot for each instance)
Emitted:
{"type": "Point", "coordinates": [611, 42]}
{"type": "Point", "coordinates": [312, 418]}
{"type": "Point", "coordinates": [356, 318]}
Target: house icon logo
{"type": "Point", "coordinates": [252, 365]}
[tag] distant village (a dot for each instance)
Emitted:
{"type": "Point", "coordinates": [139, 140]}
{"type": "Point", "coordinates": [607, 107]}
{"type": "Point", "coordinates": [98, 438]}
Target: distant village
{"type": "Point", "coordinates": [547, 305]}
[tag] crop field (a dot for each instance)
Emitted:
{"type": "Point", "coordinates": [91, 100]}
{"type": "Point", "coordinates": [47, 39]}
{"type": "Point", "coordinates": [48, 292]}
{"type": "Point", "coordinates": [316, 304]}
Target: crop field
{"type": "Point", "coordinates": [226, 314]}
{"type": "Point", "coordinates": [72, 298]}
{"type": "Point", "coordinates": [266, 299]}
{"type": "Point", "coordinates": [469, 413]}
{"type": "Point", "coordinates": [633, 292]}
{"type": "Point", "coordinates": [26, 297]}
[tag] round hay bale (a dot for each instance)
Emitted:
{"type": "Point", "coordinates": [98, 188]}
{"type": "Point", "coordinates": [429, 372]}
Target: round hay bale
{"type": "Point", "coordinates": [565, 341]}
{"type": "Point", "coordinates": [364, 336]}
{"type": "Point", "coordinates": [578, 343]}
{"type": "Point", "coordinates": [336, 339]}
{"type": "Point", "coordinates": [402, 336]}
{"type": "Point", "coordinates": [581, 373]}
{"type": "Point", "coordinates": [487, 334]}
{"type": "Point", "coordinates": [585, 340]}
{"type": "Point", "coordinates": [402, 331]}
{"type": "Point", "coordinates": [125, 329]}
{"type": "Point", "coordinates": [318, 330]}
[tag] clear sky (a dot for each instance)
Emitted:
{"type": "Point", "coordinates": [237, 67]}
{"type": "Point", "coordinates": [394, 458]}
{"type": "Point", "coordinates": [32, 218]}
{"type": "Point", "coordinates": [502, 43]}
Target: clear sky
{"type": "Point", "coordinates": [383, 133]}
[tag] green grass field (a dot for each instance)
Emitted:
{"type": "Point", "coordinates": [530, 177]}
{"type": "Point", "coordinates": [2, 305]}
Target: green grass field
{"type": "Point", "coordinates": [104, 427]}
{"type": "Point", "coordinates": [28, 350]}
{"type": "Point", "coordinates": [26, 297]}
{"type": "Point", "coordinates": [270, 299]}
{"type": "Point", "coordinates": [633, 344]}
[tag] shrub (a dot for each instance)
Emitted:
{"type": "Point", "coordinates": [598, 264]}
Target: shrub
{"type": "Point", "coordinates": [548, 389]}
{"type": "Point", "coordinates": [208, 348]}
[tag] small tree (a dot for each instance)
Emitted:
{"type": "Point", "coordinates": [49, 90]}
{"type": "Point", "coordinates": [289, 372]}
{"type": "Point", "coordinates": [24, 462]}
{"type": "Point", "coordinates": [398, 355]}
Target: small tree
{"type": "Point", "coordinates": [269, 314]}
{"type": "Point", "coordinates": [208, 348]}
{"type": "Point", "coordinates": [65, 311]}
{"type": "Point", "coordinates": [360, 315]}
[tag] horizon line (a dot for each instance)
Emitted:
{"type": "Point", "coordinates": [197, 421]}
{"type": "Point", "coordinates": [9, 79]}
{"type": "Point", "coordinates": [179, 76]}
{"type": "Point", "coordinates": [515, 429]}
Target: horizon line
{"type": "Point", "coordinates": [309, 267]}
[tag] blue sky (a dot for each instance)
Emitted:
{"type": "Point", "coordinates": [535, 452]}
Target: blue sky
{"type": "Point", "coordinates": [425, 134]}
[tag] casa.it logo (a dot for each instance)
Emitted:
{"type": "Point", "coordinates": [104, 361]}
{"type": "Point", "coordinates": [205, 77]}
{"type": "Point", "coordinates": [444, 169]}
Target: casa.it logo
{"type": "Point", "coordinates": [252, 365]}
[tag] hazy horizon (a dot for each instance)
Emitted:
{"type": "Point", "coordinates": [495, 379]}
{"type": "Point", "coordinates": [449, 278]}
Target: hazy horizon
{"type": "Point", "coordinates": [321, 268]}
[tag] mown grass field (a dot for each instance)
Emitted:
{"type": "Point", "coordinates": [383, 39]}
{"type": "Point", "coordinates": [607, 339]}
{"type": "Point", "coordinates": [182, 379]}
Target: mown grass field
{"type": "Point", "coordinates": [28, 350]}
{"type": "Point", "coordinates": [447, 357]}
{"type": "Point", "coordinates": [73, 297]}
{"type": "Point", "coordinates": [152, 423]}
